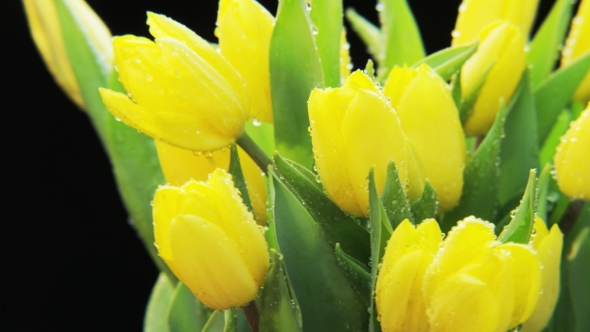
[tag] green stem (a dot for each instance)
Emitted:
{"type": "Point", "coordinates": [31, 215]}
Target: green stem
{"type": "Point", "coordinates": [255, 152]}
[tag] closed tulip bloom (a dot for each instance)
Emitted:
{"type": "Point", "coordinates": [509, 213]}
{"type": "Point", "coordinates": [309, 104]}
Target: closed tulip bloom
{"type": "Point", "coordinates": [502, 52]}
{"type": "Point", "coordinates": [181, 165]}
{"type": "Point", "coordinates": [475, 15]}
{"type": "Point", "coordinates": [244, 28]}
{"type": "Point", "coordinates": [576, 45]}
{"type": "Point", "coordinates": [46, 30]}
{"type": "Point", "coordinates": [210, 241]}
{"type": "Point", "coordinates": [353, 128]}
{"type": "Point", "coordinates": [399, 299]}
{"type": "Point", "coordinates": [548, 245]}
{"type": "Point", "coordinates": [182, 91]}
{"type": "Point", "coordinates": [572, 159]}
{"type": "Point", "coordinates": [476, 283]}
{"type": "Point", "coordinates": [429, 117]}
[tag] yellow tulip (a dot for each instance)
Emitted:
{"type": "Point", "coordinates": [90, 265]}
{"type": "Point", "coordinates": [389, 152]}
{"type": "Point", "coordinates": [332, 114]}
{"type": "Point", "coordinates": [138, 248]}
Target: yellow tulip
{"type": "Point", "coordinates": [353, 128]}
{"type": "Point", "coordinates": [244, 28]}
{"type": "Point", "coordinates": [428, 115]}
{"type": "Point", "coordinates": [475, 15]}
{"type": "Point", "coordinates": [210, 241]}
{"type": "Point", "coordinates": [576, 45]}
{"type": "Point", "coordinates": [572, 159]}
{"type": "Point", "coordinates": [475, 283]}
{"type": "Point", "coordinates": [47, 33]}
{"type": "Point", "coordinates": [502, 46]}
{"type": "Point", "coordinates": [180, 165]}
{"type": "Point", "coordinates": [548, 245]}
{"type": "Point", "coordinates": [182, 91]}
{"type": "Point", "coordinates": [399, 299]}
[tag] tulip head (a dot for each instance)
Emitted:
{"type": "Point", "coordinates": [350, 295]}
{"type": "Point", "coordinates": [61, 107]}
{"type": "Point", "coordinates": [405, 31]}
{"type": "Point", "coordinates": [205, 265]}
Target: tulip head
{"type": "Point", "coordinates": [46, 30]}
{"type": "Point", "coordinates": [399, 299]}
{"type": "Point", "coordinates": [502, 52]}
{"type": "Point", "coordinates": [182, 92]}
{"type": "Point", "coordinates": [475, 15]}
{"type": "Point", "coordinates": [244, 29]}
{"type": "Point", "coordinates": [429, 117]}
{"type": "Point", "coordinates": [576, 45]}
{"type": "Point", "coordinates": [210, 241]}
{"type": "Point", "coordinates": [353, 128]}
{"type": "Point", "coordinates": [572, 159]}
{"type": "Point", "coordinates": [548, 245]}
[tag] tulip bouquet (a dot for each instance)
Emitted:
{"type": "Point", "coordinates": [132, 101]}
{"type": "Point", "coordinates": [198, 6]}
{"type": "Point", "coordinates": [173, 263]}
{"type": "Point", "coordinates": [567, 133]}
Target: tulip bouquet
{"type": "Point", "coordinates": [279, 190]}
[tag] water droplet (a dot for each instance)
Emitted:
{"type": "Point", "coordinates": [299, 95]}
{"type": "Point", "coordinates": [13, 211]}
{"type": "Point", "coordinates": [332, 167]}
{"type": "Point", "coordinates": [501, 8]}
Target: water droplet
{"type": "Point", "coordinates": [256, 122]}
{"type": "Point", "coordinates": [456, 33]}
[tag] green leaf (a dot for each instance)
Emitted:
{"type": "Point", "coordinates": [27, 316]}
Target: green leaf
{"type": "Point", "coordinates": [326, 16]}
{"type": "Point", "coordinates": [380, 233]}
{"type": "Point", "coordinates": [480, 178]}
{"type": "Point", "coordinates": [369, 33]}
{"type": "Point", "coordinates": [336, 225]}
{"type": "Point", "coordinates": [294, 71]}
{"type": "Point", "coordinates": [559, 128]}
{"type": "Point", "coordinates": [262, 134]}
{"type": "Point", "coordinates": [279, 310]}
{"type": "Point", "coordinates": [403, 43]}
{"type": "Point", "coordinates": [554, 93]}
{"type": "Point", "coordinates": [457, 93]}
{"type": "Point", "coordinates": [133, 155]}
{"type": "Point", "coordinates": [449, 61]}
{"type": "Point", "coordinates": [156, 313]}
{"type": "Point", "coordinates": [427, 205]}
{"type": "Point", "coordinates": [545, 47]}
{"type": "Point", "coordinates": [327, 300]}
{"type": "Point", "coordinates": [357, 273]}
{"type": "Point", "coordinates": [214, 323]}
{"type": "Point", "coordinates": [519, 151]}
{"type": "Point", "coordinates": [231, 321]}
{"type": "Point", "coordinates": [563, 203]}
{"type": "Point", "coordinates": [470, 97]}
{"type": "Point", "coordinates": [235, 169]}
{"type": "Point", "coordinates": [394, 199]}
{"type": "Point", "coordinates": [186, 313]}
{"type": "Point", "coordinates": [543, 192]}
{"type": "Point", "coordinates": [579, 270]}
{"type": "Point", "coordinates": [521, 226]}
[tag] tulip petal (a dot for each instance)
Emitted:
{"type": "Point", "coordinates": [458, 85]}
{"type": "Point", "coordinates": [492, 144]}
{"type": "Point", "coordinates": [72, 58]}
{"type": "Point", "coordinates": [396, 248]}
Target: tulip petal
{"type": "Point", "coordinates": [165, 209]}
{"type": "Point", "coordinates": [197, 246]}
{"type": "Point", "coordinates": [129, 112]}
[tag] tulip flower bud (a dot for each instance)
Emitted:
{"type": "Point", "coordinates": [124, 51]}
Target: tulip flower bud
{"type": "Point", "coordinates": [475, 15]}
{"type": "Point", "coordinates": [548, 245]}
{"type": "Point", "coordinates": [399, 299]}
{"type": "Point", "coordinates": [353, 128]}
{"type": "Point", "coordinates": [428, 115]}
{"type": "Point", "coordinates": [502, 52]}
{"type": "Point", "coordinates": [244, 28]}
{"type": "Point", "coordinates": [210, 241]}
{"type": "Point", "coordinates": [46, 30]}
{"type": "Point", "coordinates": [476, 283]}
{"type": "Point", "coordinates": [576, 45]}
{"type": "Point", "coordinates": [180, 165]}
{"type": "Point", "coordinates": [572, 159]}
{"type": "Point", "coordinates": [182, 91]}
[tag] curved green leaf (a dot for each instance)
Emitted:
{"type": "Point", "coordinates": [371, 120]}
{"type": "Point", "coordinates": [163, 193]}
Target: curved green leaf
{"type": "Point", "coordinates": [448, 61]}
{"type": "Point", "coordinates": [427, 205]}
{"type": "Point", "coordinates": [579, 270]}
{"type": "Point", "coordinates": [560, 126]}
{"type": "Point", "coordinates": [186, 313]}
{"type": "Point", "coordinates": [156, 314]}
{"type": "Point", "coordinates": [393, 198]}
{"type": "Point", "coordinates": [336, 225]}
{"type": "Point", "coordinates": [279, 310]}
{"type": "Point", "coordinates": [357, 274]}
{"type": "Point", "coordinates": [235, 169]}
{"type": "Point", "coordinates": [326, 16]}
{"type": "Point", "coordinates": [369, 33]}
{"type": "Point", "coordinates": [521, 226]}
{"type": "Point", "coordinates": [327, 300]}
{"type": "Point", "coordinates": [295, 70]}
{"type": "Point", "coordinates": [553, 94]}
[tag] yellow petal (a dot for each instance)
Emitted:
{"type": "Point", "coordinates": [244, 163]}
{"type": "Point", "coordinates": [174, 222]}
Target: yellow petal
{"type": "Point", "coordinates": [255, 181]}
{"type": "Point", "coordinates": [130, 113]}
{"type": "Point", "coordinates": [164, 211]}
{"type": "Point", "coordinates": [207, 261]}
{"type": "Point", "coordinates": [549, 252]}
{"type": "Point", "coordinates": [429, 117]}
{"type": "Point", "coordinates": [244, 29]}
{"type": "Point", "coordinates": [502, 46]}
{"type": "Point", "coordinates": [397, 83]}
{"type": "Point", "coordinates": [577, 44]}
{"type": "Point", "coordinates": [416, 171]}
{"type": "Point", "coordinates": [572, 159]}
{"type": "Point", "coordinates": [463, 303]}
{"type": "Point", "coordinates": [540, 231]}
{"type": "Point", "coordinates": [373, 136]}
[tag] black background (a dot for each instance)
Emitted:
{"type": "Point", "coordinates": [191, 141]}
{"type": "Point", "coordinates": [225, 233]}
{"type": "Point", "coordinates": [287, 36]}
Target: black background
{"type": "Point", "coordinates": [69, 258]}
